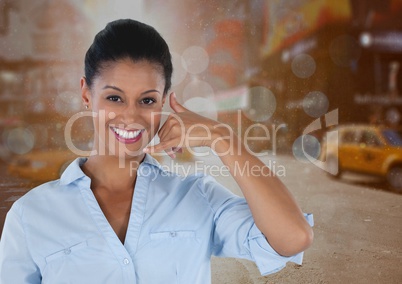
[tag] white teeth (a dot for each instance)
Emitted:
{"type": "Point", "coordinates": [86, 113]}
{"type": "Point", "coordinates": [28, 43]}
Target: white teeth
{"type": "Point", "coordinates": [126, 134]}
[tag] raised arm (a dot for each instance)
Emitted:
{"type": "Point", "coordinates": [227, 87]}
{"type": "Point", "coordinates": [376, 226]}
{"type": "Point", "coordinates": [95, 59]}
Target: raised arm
{"type": "Point", "coordinates": [273, 207]}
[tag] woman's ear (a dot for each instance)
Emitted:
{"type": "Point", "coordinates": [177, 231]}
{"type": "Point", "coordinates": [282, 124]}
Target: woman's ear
{"type": "Point", "coordinates": [85, 93]}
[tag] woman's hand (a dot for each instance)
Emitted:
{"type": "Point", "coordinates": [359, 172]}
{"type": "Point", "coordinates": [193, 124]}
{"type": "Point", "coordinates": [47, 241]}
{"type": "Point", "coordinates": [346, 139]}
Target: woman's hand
{"type": "Point", "coordinates": [274, 209]}
{"type": "Point", "coordinates": [184, 129]}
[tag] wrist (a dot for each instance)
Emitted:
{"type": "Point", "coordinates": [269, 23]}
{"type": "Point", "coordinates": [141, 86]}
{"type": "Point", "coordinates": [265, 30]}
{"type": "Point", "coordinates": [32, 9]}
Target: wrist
{"type": "Point", "coordinates": [223, 139]}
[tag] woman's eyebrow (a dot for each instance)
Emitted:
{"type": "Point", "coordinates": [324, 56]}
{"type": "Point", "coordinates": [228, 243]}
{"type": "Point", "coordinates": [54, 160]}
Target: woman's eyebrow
{"type": "Point", "coordinates": [113, 87]}
{"type": "Point", "coordinates": [120, 90]}
{"type": "Point", "coordinates": [149, 91]}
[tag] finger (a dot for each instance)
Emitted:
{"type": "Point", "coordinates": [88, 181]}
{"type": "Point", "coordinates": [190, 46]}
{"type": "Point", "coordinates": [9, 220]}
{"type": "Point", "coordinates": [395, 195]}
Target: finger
{"type": "Point", "coordinates": [177, 149]}
{"type": "Point", "coordinates": [171, 154]}
{"type": "Point", "coordinates": [162, 146]}
{"type": "Point", "coordinates": [174, 104]}
{"type": "Point", "coordinates": [173, 151]}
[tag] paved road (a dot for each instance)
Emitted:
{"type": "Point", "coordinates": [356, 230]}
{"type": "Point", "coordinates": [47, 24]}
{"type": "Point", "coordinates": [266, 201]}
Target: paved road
{"type": "Point", "coordinates": [358, 226]}
{"type": "Point", "coordinates": [358, 231]}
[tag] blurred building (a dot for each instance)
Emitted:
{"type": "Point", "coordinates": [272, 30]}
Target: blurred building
{"type": "Point", "coordinates": [377, 26]}
{"type": "Point", "coordinates": [321, 55]}
{"type": "Point", "coordinates": [243, 62]}
{"type": "Point", "coordinates": [288, 61]}
{"type": "Point", "coordinates": [42, 46]}
{"type": "Point", "coordinates": [227, 38]}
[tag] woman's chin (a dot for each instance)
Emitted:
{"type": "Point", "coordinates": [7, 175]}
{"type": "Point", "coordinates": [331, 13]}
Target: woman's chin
{"type": "Point", "coordinates": [129, 153]}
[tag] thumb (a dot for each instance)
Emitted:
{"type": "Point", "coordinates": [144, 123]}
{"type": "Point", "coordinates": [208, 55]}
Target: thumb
{"type": "Point", "coordinates": [175, 105]}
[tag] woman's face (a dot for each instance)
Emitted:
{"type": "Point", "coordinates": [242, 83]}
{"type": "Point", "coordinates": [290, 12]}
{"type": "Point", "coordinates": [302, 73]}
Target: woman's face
{"type": "Point", "coordinates": [127, 100]}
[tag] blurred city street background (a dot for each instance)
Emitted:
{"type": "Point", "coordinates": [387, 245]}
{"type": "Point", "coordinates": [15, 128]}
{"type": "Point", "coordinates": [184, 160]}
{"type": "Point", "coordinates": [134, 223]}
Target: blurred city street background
{"type": "Point", "coordinates": [313, 86]}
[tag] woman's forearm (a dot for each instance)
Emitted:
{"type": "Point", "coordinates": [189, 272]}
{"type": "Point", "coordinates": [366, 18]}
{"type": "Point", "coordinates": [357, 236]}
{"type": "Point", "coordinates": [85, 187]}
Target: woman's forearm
{"type": "Point", "coordinates": [273, 207]}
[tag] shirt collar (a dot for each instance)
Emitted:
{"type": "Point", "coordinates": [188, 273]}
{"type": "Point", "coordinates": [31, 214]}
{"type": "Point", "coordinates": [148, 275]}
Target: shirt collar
{"type": "Point", "coordinates": [152, 161]}
{"type": "Point", "coordinates": [74, 172]}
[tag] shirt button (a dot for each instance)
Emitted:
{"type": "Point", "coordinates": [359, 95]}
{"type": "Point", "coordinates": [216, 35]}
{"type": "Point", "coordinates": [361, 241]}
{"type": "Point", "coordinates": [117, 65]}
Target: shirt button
{"type": "Point", "coordinates": [173, 234]}
{"type": "Point", "coordinates": [67, 251]}
{"type": "Point", "coordinates": [126, 261]}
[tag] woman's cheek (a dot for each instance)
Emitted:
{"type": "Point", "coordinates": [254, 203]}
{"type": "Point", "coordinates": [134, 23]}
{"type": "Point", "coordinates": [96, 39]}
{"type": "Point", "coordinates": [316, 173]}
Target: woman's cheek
{"type": "Point", "coordinates": [110, 115]}
{"type": "Point", "coordinates": [95, 121]}
{"type": "Point", "coordinates": [151, 118]}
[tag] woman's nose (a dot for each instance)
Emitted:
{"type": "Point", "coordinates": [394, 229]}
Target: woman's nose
{"type": "Point", "coordinates": [132, 116]}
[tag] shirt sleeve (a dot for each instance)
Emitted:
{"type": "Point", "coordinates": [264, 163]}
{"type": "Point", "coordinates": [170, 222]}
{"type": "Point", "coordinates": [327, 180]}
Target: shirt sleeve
{"type": "Point", "coordinates": [16, 263]}
{"type": "Point", "coordinates": [235, 233]}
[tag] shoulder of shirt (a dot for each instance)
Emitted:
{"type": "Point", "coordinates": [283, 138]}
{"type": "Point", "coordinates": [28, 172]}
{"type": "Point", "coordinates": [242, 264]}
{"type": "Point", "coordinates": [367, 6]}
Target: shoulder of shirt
{"type": "Point", "coordinates": [54, 188]}
{"type": "Point", "coordinates": [36, 193]}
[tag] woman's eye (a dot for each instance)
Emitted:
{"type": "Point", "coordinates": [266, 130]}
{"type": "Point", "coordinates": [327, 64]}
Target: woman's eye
{"type": "Point", "coordinates": [114, 98]}
{"type": "Point", "coordinates": [148, 101]}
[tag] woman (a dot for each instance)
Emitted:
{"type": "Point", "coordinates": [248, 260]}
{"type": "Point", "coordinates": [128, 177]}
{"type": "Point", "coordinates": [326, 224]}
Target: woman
{"type": "Point", "coordinates": [118, 216]}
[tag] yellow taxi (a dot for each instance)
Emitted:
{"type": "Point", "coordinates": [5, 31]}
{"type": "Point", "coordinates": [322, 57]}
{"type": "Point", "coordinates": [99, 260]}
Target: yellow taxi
{"type": "Point", "coordinates": [368, 149]}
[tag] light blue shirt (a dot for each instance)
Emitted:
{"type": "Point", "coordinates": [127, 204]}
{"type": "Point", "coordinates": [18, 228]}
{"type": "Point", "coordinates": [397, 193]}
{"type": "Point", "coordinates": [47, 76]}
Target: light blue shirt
{"type": "Point", "coordinates": [57, 233]}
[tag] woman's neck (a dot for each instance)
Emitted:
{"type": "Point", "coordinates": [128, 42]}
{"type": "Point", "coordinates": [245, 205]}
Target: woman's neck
{"type": "Point", "coordinates": [108, 172]}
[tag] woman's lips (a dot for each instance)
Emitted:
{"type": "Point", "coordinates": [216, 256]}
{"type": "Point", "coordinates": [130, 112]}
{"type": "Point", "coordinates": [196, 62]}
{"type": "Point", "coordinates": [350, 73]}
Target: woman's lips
{"type": "Point", "coordinates": [127, 136]}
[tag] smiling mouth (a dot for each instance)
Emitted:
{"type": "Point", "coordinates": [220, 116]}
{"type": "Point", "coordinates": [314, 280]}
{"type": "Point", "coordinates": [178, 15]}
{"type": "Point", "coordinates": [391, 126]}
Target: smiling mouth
{"type": "Point", "coordinates": [127, 136]}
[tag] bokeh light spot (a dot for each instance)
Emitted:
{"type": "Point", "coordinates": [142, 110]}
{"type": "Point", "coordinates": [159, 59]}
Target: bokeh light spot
{"type": "Point", "coordinates": [38, 107]}
{"type": "Point", "coordinates": [306, 146]}
{"type": "Point", "coordinates": [20, 140]}
{"type": "Point", "coordinates": [366, 39]}
{"type": "Point", "coordinates": [197, 88]}
{"type": "Point", "coordinates": [315, 104]}
{"type": "Point", "coordinates": [40, 133]}
{"type": "Point", "coordinates": [195, 59]}
{"type": "Point", "coordinates": [303, 66]}
{"type": "Point", "coordinates": [393, 116]}
{"type": "Point", "coordinates": [262, 104]}
{"type": "Point", "coordinates": [344, 50]}
{"type": "Point", "coordinates": [203, 106]}
{"type": "Point", "coordinates": [111, 115]}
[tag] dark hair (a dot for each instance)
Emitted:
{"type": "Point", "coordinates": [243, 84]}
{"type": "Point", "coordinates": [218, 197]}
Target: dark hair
{"type": "Point", "coordinates": [128, 39]}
